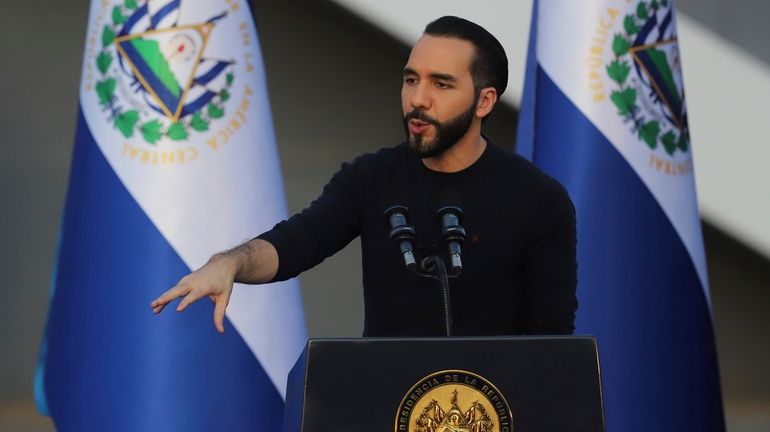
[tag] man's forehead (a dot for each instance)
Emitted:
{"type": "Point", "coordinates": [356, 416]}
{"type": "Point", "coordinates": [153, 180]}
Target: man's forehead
{"type": "Point", "coordinates": [440, 54]}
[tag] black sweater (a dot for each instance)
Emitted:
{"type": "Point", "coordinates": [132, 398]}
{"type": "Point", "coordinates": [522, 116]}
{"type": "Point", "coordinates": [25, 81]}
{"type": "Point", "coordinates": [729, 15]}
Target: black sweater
{"type": "Point", "coordinates": [519, 274]}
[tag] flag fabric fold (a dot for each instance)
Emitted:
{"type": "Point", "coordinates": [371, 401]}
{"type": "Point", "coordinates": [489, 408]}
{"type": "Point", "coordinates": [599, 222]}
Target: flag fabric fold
{"type": "Point", "coordinates": [604, 113]}
{"type": "Point", "coordinates": [174, 160]}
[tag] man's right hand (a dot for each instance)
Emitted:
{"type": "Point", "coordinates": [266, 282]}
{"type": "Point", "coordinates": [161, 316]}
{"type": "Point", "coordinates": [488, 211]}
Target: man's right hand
{"type": "Point", "coordinates": [253, 262]}
{"type": "Point", "coordinates": [215, 280]}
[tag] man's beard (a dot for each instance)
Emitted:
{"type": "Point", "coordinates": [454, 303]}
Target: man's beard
{"type": "Point", "coordinates": [446, 136]}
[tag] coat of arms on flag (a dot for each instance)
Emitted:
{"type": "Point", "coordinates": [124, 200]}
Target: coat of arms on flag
{"type": "Point", "coordinates": [646, 71]}
{"type": "Point", "coordinates": [156, 78]}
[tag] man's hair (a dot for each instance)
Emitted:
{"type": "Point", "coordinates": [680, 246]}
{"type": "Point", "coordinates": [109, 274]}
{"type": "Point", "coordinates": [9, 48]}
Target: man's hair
{"type": "Point", "coordinates": [489, 66]}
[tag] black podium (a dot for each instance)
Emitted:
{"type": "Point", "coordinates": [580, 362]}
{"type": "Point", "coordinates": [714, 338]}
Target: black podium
{"type": "Point", "coordinates": [505, 384]}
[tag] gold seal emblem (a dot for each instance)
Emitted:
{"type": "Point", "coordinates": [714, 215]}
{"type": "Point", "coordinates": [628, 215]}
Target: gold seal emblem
{"type": "Point", "coordinates": [454, 401]}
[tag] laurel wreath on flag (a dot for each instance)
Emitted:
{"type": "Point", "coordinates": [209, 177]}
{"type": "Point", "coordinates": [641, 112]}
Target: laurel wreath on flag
{"type": "Point", "coordinates": [128, 122]}
{"type": "Point", "coordinates": [624, 96]}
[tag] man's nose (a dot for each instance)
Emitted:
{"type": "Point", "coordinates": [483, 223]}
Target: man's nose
{"type": "Point", "coordinates": [420, 97]}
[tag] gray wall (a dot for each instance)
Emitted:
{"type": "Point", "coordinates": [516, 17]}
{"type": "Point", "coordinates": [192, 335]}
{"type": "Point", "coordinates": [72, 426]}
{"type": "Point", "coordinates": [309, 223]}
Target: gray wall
{"type": "Point", "coordinates": [334, 86]}
{"type": "Point", "coordinates": [41, 46]}
{"type": "Point", "coordinates": [742, 22]}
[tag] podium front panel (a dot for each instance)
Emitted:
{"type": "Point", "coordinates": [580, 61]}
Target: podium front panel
{"type": "Point", "coordinates": [446, 384]}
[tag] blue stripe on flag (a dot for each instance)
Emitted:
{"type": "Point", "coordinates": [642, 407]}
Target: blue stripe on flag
{"type": "Point", "coordinates": [639, 292]}
{"type": "Point", "coordinates": [667, 21]}
{"type": "Point", "coordinates": [217, 18]}
{"type": "Point", "coordinates": [642, 37]}
{"type": "Point", "coordinates": [133, 20]}
{"type": "Point", "coordinates": [197, 104]}
{"type": "Point", "coordinates": [165, 10]}
{"type": "Point", "coordinates": [212, 73]}
{"type": "Point", "coordinates": [113, 365]}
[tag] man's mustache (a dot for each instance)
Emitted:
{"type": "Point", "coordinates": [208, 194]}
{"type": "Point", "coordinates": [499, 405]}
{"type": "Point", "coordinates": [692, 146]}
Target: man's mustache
{"type": "Point", "coordinates": [419, 114]}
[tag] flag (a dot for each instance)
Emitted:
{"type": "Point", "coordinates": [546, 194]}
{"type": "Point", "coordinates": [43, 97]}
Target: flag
{"type": "Point", "coordinates": [603, 111]}
{"type": "Point", "coordinates": [174, 160]}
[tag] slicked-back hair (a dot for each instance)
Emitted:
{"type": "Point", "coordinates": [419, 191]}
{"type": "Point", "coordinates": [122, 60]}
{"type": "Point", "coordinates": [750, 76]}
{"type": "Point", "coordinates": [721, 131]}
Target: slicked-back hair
{"type": "Point", "coordinates": [489, 66]}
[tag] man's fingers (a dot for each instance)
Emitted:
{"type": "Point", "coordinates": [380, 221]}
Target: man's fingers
{"type": "Point", "coordinates": [177, 291]}
{"type": "Point", "coordinates": [192, 297]}
{"type": "Point", "coordinates": [219, 311]}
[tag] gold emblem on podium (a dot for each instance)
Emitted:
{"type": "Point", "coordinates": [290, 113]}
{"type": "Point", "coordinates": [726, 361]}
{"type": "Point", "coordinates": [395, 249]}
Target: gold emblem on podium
{"type": "Point", "coordinates": [454, 401]}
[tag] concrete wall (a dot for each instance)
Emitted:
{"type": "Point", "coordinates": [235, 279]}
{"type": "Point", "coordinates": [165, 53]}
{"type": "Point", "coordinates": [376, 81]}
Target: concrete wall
{"type": "Point", "coordinates": [742, 22]}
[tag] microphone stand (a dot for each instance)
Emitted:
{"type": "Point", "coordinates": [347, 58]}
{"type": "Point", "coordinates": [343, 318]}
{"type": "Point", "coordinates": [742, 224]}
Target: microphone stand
{"type": "Point", "coordinates": [431, 266]}
{"type": "Point", "coordinates": [435, 268]}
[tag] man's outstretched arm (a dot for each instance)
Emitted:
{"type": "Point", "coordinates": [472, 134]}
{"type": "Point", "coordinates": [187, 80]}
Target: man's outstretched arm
{"type": "Point", "coordinates": [253, 262]}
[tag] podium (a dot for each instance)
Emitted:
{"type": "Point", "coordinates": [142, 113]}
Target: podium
{"type": "Point", "coordinates": [488, 384]}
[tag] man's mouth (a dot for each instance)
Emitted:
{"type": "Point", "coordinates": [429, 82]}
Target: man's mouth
{"type": "Point", "coordinates": [418, 127]}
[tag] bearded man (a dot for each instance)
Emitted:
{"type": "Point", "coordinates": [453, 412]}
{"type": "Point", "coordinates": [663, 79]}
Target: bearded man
{"type": "Point", "coordinates": [519, 273]}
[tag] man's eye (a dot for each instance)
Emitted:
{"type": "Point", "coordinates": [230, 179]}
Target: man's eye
{"type": "Point", "coordinates": [442, 85]}
{"type": "Point", "coordinates": [409, 80]}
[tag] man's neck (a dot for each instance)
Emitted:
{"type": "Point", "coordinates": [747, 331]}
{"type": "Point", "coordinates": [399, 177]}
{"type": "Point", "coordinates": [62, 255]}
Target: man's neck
{"type": "Point", "coordinates": [461, 155]}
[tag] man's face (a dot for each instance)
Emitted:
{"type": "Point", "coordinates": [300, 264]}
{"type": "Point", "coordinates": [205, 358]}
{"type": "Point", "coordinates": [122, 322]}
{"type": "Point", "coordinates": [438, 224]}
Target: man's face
{"type": "Point", "coordinates": [437, 96]}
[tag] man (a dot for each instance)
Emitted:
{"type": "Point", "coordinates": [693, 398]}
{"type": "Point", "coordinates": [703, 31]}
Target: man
{"type": "Point", "coordinates": [519, 273]}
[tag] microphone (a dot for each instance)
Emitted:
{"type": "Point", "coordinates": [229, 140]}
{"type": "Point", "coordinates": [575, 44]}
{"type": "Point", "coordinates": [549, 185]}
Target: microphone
{"type": "Point", "coordinates": [402, 233]}
{"type": "Point", "coordinates": [452, 230]}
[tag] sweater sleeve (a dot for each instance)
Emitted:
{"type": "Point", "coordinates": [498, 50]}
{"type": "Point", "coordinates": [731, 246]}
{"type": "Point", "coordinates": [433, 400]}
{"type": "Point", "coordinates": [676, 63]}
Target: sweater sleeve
{"type": "Point", "coordinates": [550, 267]}
{"type": "Point", "coordinates": [330, 222]}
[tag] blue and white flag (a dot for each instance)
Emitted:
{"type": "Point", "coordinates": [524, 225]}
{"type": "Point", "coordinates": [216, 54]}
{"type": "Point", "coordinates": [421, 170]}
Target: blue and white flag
{"type": "Point", "coordinates": [604, 112]}
{"type": "Point", "coordinates": [174, 160]}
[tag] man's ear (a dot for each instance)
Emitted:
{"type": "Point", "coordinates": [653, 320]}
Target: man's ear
{"type": "Point", "coordinates": [487, 101]}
